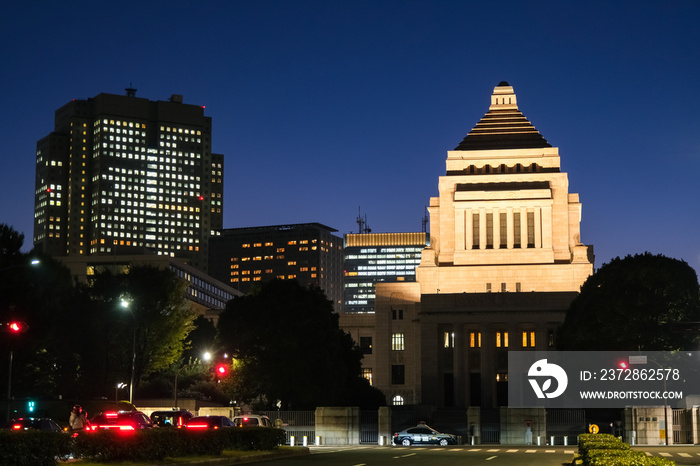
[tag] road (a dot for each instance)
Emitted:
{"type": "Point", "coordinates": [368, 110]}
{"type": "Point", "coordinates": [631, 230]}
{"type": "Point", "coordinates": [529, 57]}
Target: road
{"type": "Point", "coordinates": [433, 456]}
{"type": "Point", "coordinates": [467, 455]}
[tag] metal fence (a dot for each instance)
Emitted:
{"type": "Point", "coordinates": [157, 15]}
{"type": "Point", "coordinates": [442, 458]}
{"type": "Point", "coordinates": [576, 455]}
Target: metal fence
{"type": "Point", "coordinates": [298, 424]}
{"type": "Point", "coordinates": [565, 425]}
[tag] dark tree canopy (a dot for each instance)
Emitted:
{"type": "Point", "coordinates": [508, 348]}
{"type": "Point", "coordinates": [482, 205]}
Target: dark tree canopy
{"type": "Point", "coordinates": [159, 311]}
{"type": "Point", "coordinates": [289, 347]}
{"type": "Point", "coordinates": [642, 302]}
{"type": "Point", "coordinates": [11, 242]}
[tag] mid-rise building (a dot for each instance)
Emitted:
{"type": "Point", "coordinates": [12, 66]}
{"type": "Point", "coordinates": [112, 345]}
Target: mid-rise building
{"type": "Point", "coordinates": [372, 258]}
{"type": "Point", "coordinates": [125, 175]}
{"type": "Point", "coordinates": [307, 252]}
{"type": "Point", "coordinates": [206, 295]}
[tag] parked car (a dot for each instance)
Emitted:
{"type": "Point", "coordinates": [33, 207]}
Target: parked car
{"type": "Point", "coordinates": [209, 422]}
{"type": "Point", "coordinates": [423, 434]}
{"type": "Point", "coordinates": [34, 423]}
{"type": "Point", "coordinates": [173, 418]}
{"type": "Point", "coordinates": [120, 420]}
{"type": "Point", "coordinates": [252, 420]}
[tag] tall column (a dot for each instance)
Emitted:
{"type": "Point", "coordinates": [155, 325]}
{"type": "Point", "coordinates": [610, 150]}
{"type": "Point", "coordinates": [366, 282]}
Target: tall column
{"type": "Point", "coordinates": [482, 228]}
{"type": "Point", "coordinates": [509, 213]}
{"type": "Point", "coordinates": [523, 227]}
{"type": "Point", "coordinates": [538, 227]}
{"type": "Point", "coordinates": [468, 229]}
{"type": "Point", "coordinates": [496, 229]}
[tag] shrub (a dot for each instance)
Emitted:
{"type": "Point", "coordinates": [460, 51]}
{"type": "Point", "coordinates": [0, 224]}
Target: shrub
{"type": "Point", "coordinates": [607, 450]}
{"type": "Point", "coordinates": [33, 447]}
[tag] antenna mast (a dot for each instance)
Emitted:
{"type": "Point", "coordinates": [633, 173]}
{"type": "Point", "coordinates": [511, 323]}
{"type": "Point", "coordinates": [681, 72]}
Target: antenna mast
{"type": "Point", "coordinates": [362, 223]}
{"type": "Point", "coordinates": [425, 220]}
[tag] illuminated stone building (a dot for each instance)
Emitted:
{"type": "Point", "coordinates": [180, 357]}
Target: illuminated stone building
{"type": "Point", "coordinates": [307, 252]}
{"type": "Point", "coordinates": [372, 258]}
{"type": "Point", "coordinates": [505, 260]}
{"type": "Point", "coordinates": [126, 175]}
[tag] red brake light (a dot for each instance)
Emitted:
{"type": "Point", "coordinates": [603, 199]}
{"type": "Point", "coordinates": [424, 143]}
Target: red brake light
{"type": "Point", "coordinates": [16, 426]}
{"type": "Point", "coordinates": [197, 426]}
{"type": "Point", "coordinates": [126, 428]}
{"type": "Point", "coordinates": [111, 414]}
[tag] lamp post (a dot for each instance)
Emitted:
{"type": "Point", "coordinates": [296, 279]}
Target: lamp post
{"type": "Point", "coordinates": [116, 391]}
{"type": "Point", "coordinates": [206, 357]}
{"type": "Point", "coordinates": [125, 305]}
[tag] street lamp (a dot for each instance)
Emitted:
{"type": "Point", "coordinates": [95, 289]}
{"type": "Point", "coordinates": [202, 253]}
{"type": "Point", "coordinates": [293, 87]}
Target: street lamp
{"type": "Point", "coordinates": [120, 385]}
{"type": "Point", "coordinates": [125, 305]}
{"type": "Point", "coordinates": [206, 357]}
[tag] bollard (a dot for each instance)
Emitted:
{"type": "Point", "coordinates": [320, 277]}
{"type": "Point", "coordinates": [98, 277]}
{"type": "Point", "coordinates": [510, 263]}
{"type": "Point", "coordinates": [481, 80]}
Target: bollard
{"type": "Point", "coordinates": [472, 440]}
{"type": "Point", "coordinates": [291, 440]}
{"type": "Point", "coordinates": [551, 440]}
{"type": "Point", "coordinates": [305, 441]}
{"type": "Point", "coordinates": [566, 440]}
{"type": "Point", "coordinates": [539, 440]}
{"type": "Point", "coordinates": [318, 440]}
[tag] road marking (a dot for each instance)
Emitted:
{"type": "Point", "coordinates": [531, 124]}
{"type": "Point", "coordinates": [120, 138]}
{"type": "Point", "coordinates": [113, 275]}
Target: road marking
{"type": "Point", "coordinates": [569, 452]}
{"type": "Point", "coordinates": [550, 451]}
{"type": "Point", "coordinates": [686, 455]}
{"type": "Point", "coordinates": [663, 453]}
{"type": "Point", "coordinates": [491, 457]}
{"type": "Point", "coordinates": [404, 456]}
{"type": "Point", "coordinates": [530, 451]}
{"type": "Point", "coordinates": [493, 450]}
{"type": "Point", "coordinates": [511, 451]}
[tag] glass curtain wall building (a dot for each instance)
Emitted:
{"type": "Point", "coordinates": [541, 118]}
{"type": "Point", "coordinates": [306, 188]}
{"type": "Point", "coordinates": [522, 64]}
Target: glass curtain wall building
{"type": "Point", "coordinates": [371, 258]}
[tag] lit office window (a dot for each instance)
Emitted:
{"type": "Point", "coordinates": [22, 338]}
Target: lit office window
{"type": "Point", "coordinates": [397, 342]}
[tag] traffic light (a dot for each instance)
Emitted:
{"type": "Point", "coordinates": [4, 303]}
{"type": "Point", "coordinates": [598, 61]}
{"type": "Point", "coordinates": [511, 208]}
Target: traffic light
{"type": "Point", "coordinates": [220, 371]}
{"type": "Point", "coordinates": [14, 327]}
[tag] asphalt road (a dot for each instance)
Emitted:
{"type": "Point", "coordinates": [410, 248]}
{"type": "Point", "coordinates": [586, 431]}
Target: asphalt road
{"type": "Point", "coordinates": [484, 455]}
{"type": "Point", "coordinates": [432, 456]}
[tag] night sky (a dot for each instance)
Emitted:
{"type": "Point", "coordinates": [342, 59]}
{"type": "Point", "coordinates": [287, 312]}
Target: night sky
{"type": "Point", "coordinates": [325, 107]}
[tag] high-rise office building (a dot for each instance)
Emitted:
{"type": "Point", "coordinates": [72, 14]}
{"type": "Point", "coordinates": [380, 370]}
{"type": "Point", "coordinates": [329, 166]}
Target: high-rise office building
{"type": "Point", "coordinates": [372, 258]}
{"type": "Point", "coordinates": [307, 252]}
{"type": "Point", "coordinates": [126, 175]}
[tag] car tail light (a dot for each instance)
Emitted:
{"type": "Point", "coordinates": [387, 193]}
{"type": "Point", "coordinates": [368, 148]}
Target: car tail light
{"type": "Point", "coordinates": [197, 426]}
{"type": "Point", "coordinates": [111, 414]}
{"type": "Point", "coordinates": [126, 428]}
{"type": "Point", "coordinates": [16, 426]}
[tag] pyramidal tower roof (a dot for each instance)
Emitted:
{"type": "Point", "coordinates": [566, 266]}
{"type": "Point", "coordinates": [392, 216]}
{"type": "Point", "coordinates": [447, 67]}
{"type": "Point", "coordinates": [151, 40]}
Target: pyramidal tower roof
{"type": "Point", "coordinates": [503, 126]}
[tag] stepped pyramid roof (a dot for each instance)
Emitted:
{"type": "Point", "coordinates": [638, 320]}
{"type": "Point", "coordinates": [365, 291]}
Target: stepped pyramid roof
{"type": "Point", "coordinates": [503, 126]}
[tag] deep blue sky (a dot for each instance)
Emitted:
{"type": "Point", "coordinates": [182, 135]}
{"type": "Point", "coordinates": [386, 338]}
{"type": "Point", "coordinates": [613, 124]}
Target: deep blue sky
{"type": "Point", "coordinates": [322, 107]}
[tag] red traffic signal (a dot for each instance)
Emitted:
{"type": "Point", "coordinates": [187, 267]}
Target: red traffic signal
{"type": "Point", "coordinates": [14, 326]}
{"type": "Point", "coordinates": [221, 370]}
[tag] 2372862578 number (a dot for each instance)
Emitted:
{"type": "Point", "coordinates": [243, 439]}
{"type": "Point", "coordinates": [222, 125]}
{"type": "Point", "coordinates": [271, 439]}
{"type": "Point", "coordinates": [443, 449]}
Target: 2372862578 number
{"type": "Point", "coordinates": [639, 374]}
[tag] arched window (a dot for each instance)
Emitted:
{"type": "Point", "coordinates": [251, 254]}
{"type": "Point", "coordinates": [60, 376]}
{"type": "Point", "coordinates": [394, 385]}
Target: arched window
{"type": "Point", "coordinates": [397, 400]}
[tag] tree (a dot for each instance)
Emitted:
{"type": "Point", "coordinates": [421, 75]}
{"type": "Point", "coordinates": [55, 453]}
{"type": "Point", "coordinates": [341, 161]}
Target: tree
{"type": "Point", "coordinates": [641, 302]}
{"type": "Point", "coordinates": [157, 311]}
{"type": "Point", "coordinates": [288, 346]}
{"type": "Point", "coordinates": [11, 242]}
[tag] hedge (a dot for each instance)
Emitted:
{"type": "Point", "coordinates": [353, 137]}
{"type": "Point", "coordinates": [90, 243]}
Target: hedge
{"type": "Point", "coordinates": [607, 450]}
{"type": "Point", "coordinates": [46, 448]}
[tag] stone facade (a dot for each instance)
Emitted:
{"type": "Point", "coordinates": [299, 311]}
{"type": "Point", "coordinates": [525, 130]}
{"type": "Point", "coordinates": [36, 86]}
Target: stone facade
{"type": "Point", "coordinates": [505, 260]}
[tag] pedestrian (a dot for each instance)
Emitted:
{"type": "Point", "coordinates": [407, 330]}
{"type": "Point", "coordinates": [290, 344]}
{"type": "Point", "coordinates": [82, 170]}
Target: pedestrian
{"type": "Point", "coordinates": [78, 419]}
